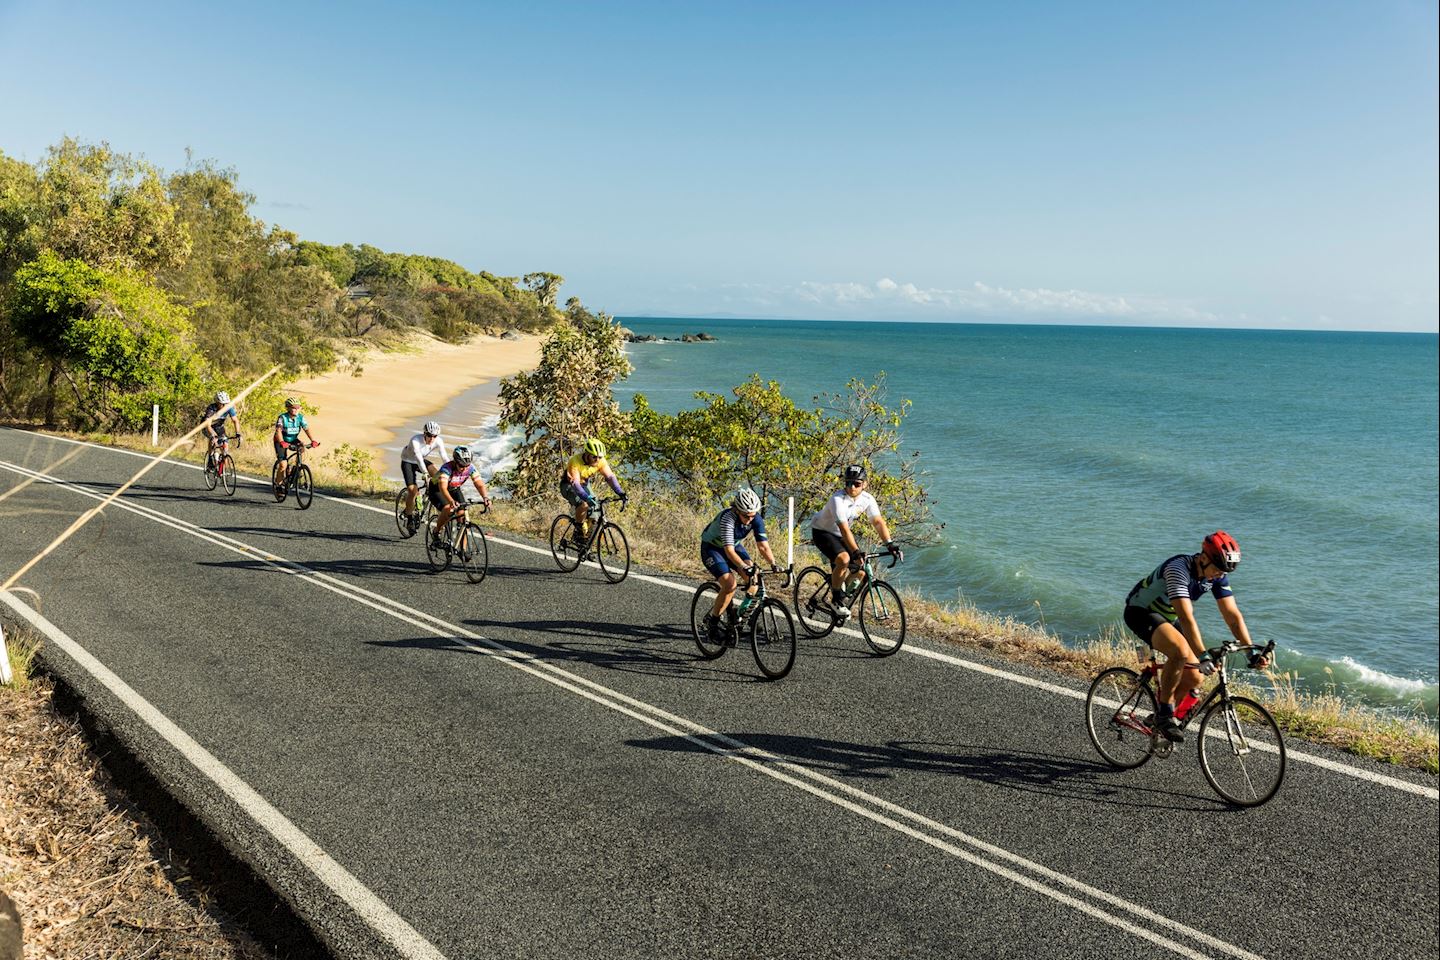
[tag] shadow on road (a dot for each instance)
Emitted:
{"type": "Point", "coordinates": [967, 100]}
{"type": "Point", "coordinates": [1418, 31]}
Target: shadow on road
{"type": "Point", "coordinates": [1023, 770]}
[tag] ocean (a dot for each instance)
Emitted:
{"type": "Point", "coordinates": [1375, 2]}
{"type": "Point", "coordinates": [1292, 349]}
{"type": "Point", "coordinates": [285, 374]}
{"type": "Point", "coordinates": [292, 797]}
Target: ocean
{"type": "Point", "coordinates": [1067, 462]}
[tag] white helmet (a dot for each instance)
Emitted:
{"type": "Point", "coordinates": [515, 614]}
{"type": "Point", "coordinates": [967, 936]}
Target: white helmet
{"type": "Point", "coordinates": [746, 501]}
{"type": "Point", "coordinates": [222, 397]}
{"type": "Point", "coordinates": [431, 428]}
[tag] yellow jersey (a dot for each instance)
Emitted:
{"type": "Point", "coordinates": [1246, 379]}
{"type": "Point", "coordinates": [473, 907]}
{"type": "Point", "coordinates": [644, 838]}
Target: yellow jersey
{"type": "Point", "coordinates": [586, 470]}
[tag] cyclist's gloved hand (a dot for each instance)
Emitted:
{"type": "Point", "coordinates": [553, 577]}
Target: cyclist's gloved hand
{"type": "Point", "coordinates": [899, 554]}
{"type": "Point", "coordinates": [314, 443]}
{"type": "Point", "coordinates": [751, 570]}
{"type": "Point", "coordinates": [624, 497]}
{"type": "Point", "coordinates": [1258, 659]}
{"type": "Point", "coordinates": [1207, 666]}
{"type": "Point", "coordinates": [592, 503]}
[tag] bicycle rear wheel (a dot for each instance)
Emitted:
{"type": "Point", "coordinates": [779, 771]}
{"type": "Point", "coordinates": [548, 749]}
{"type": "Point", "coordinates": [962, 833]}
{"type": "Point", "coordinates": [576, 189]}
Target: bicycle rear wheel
{"type": "Point", "coordinates": [1243, 757]}
{"type": "Point", "coordinates": [402, 522]}
{"type": "Point", "coordinates": [700, 605]}
{"type": "Point", "coordinates": [562, 545]}
{"type": "Point", "coordinates": [210, 477]}
{"type": "Point", "coordinates": [882, 618]}
{"type": "Point", "coordinates": [812, 602]}
{"type": "Point", "coordinates": [772, 639]}
{"type": "Point", "coordinates": [1118, 714]}
{"type": "Point", "coordinates": [474, 553]}
{"type": "Point", "coordinates": [436, 554]}
{"type": "Point", "coordinates": [227, 474]}
{"type": "Point", "coordinates": [613, 552]}
{"type": "Point", "coordinates": [304, 487]}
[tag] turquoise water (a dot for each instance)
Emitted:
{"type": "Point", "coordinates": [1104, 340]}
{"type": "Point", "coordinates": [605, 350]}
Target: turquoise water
{"type": "Point", "coordinates": [1068, 461]}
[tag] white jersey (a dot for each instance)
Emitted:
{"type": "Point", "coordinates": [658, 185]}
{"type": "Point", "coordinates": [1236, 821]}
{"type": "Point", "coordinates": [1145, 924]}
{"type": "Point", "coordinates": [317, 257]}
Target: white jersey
{"type": "Point", "coordinates": [417, 450]}
{"type": "Point", "coordinates": [842, 509]}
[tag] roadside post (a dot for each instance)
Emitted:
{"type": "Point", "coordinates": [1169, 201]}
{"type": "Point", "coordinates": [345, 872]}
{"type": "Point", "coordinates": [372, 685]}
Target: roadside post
{"type": "Point", "coordinates": [5, 675]}
{"type": "Point", "coordinates": [155, 425]}
{"type": "Point", "coordinates": [790, 526]}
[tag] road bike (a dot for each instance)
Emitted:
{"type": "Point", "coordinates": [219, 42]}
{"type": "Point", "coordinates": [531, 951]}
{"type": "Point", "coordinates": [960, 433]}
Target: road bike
{"type": "Point", "coordinates": [219, 465]}
{"type": "Point", "coordinates": [604, 543]}
{"type": "Point", "coordinates": [877, 604]}
{"type": "Point", "coordinates": [408, 526]}
{"type": "Point", "coordinates": [461, 539]}
{"type": "Point", "coordinates": [298, 478]}
{"type": "Point", "coordinates": [760, 618]}
{"type": "Point", "coordinates": [1242, 752]}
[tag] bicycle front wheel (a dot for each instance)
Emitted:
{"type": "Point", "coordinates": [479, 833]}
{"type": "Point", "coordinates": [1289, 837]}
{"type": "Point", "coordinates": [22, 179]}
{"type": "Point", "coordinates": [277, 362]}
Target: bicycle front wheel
{"type": "Point", "coordinates": [613, 552]}
{"type": "Point", "coordinates": [772, 639]}
{"type": "Point", "coordinates": [1242, 753]}
{"type": "Point", "coordinates": [1119, 711]}
{"type": "Point", "coordinates": [562, 543]}
{"type": "Point", "coordinates": [227, 475]}
{"type": "Point", "coordinates": [882, 618]}
{"type": "Point", "coordinates": [436, 552]}
{"type": "Point", "coordinates": [474, 553]}
{"type": "Point", "coordinates": [210, 478]}
{"type": "Point", "coordinates": [812, 602]}
{"type": "Point", "coordinates": [700, 605]}
{"type": "Point", "coordinates": [304, 487]}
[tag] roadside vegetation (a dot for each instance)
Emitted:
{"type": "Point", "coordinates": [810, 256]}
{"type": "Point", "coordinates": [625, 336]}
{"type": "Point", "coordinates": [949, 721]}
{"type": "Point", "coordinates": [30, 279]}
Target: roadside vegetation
{"type": "Point", "coordinates": [91, 874]}
{"type": "Point", "coordinates": [122, 286]}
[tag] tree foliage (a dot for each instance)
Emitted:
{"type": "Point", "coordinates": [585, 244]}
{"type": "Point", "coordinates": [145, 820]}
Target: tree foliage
{"type": "Point", "coordinates": [117, 341]}
{"type": "Point", "coordinates": [763, 440]}
{"type": "Point", "coordinates": [565, 399]}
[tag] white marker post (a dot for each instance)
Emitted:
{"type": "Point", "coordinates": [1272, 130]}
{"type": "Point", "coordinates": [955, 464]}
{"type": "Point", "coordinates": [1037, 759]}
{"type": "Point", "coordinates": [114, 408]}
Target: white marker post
{"type": "Point", "coordinates": [5, 675]}
{"type": "Point", "coordinates": [155, 425]}
{"type": "Point", "coordinates": [790, 526]}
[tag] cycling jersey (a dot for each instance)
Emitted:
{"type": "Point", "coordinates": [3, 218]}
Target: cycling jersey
{"type": "Point", "coordinates": [216, 414]}
{"type": "Point", "coordinates": [585, 470]}
{"type": "Point", "coordinates": [1171, 580]}
{"type": "Point", "coordinates": [843, 509]}
{"type": "Point", "coordinates": [726, 530]}
{"type": "Point", "coordinates": [452, 475]}
{"type": "Point", "coordinates": [290, 426]}
{"type": "Point", "coordinates": [417, 450]}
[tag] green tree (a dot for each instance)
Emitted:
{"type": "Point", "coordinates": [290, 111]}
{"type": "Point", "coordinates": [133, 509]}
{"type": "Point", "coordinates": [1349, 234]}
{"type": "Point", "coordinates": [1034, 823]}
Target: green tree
{"type": "Point", "coordinates": [565, 399]}
{"type": "Point", "coordinates": [763, 440]}
{"type": "Point", "coordinates": [116, 340]}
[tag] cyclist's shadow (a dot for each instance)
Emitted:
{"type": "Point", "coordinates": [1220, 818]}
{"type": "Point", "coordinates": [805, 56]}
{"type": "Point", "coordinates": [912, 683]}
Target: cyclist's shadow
{"type": "Point", "coordinates": [1027, 771]}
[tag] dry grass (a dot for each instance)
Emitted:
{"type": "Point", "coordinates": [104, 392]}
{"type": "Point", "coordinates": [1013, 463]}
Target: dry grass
{"type": "Point", "coordinates": [91, 875]}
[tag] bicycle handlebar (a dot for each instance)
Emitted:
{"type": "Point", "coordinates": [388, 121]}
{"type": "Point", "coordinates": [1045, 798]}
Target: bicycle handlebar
{"type": "Point", "coordinates": [1235, 646]}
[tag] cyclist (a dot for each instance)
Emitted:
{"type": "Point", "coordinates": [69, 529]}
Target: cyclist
{"type": "Point", "coordinates": [214, 419]}
{"type": "Point", "coordinates": [830, 532]}
{"type": "Point", "coordinates": [580, 469]}
{"type": "Point", "coordinates": [722, 554]}
{"type": "Point", "coordinates": [287, 433]}
{"type": "Point", "coordinates": [1160, 610]}
{"type": "Point", "coordinates": [446, 488]}
{"type": "Point", "coordinates": [414, 460]}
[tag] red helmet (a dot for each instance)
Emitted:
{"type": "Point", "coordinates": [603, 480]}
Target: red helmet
{"type": "Point", "coordinates": [1222, 550]}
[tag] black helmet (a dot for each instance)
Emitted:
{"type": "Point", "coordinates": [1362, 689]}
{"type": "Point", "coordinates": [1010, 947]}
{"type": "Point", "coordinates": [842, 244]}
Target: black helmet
{"type": "Point", "coordinates": [854, 472]}
{"type": "Point", "coordinates": [461, 455]}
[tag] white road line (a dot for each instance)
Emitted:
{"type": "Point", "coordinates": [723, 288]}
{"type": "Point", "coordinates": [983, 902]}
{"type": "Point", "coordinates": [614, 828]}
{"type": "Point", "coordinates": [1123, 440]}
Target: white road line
{"type": "Point", "coordinates": [872, 807]}
{"type": "Point", "coordinates": [370, 908]}
{"type": "Point", "coordinates": [912, 648]}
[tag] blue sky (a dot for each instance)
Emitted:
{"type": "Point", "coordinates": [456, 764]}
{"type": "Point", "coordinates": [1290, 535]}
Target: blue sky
{"type": "Point", "coordinates": [1235, 164]}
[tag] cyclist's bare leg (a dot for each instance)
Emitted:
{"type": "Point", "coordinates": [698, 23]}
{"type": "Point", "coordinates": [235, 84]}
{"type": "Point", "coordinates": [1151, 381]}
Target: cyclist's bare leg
{"type": "Point", "coordinates": [410, 492]}
{"type": "Point", "coordinates": [726, 583]}
{"type": "Point", "coordinates": [1172, 643]}
{"type": "Point", "coordinates": [839, 567]}
{"type": "Point", "coordinates": [581, 512]}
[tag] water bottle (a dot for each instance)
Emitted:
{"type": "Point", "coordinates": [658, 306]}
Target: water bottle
{"type": "Point", "coordinates": [745, 604]}
{"type": "Point", "coordinates": [1187, 703]}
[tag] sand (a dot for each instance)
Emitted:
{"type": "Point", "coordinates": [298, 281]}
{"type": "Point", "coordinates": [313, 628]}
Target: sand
{"type": "Point", "coordinates": [394, 389]}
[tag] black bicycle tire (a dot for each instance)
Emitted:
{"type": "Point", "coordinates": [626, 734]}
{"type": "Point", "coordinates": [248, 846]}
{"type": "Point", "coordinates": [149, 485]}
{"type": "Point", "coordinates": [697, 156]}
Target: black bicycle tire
{"type": "Point", "coordinates": [436, 556]}
{"type": "Point", "coordinates": [770, 606]}
{"type": "Point", "coordinates": [807, 595]}
{"type": "Point", "coordinates": [707, 593]}
{"type": "Point", "coordinates": [472, 535]}
{"type": "Point", "coordinates": [893, 596]}
{"type": "Point", "coordinates": [622, 548]}
{"type": "Point", "coordinates": [561, 550]}
{"type": "Point", "coordinates": [1144, 702]}
{"type": "Point", "coordinates": [402, 522]}
{"type": "Point", "coordinates": [209, 474]}
{"type": "Point", "coordinates": [227, 474]}
{"type": "Point", "coordinates": [1208, 743]}
{"type": "Point", "coordinates": [304, 487]}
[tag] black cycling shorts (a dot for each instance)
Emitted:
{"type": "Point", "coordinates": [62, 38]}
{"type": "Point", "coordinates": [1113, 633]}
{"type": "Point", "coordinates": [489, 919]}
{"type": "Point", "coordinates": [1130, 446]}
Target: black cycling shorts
{"type": "Point", "coordinates": [414, 475]}
{"type": "Point", "coordinates": [1143, 623]}
{"type": "Point", "coordinates": [828, 544]}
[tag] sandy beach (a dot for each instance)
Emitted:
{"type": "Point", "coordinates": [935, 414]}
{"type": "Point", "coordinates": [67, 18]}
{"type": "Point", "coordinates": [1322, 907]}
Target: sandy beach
{"type": "Point", "coordinates": [394, 389]}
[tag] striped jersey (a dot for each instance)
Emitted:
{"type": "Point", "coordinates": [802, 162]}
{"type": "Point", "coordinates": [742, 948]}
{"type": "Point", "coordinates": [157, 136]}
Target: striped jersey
{"type": "Point", "coordinates": [1175, 578]}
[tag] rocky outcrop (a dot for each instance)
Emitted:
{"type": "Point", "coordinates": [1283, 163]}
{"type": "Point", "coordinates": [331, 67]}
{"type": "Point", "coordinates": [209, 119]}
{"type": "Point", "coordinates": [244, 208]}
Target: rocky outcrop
{"type": "Point", "coordinates": [631, 337]}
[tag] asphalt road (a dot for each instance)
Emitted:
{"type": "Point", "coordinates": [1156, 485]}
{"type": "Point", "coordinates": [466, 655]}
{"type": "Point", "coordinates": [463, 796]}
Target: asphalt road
{"type": "Point", "coordinates": [541, 766]}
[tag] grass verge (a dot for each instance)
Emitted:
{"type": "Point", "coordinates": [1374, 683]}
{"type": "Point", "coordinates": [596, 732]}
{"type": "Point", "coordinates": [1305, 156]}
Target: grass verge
{"type": "Point", "coordinates": [664, 533]}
